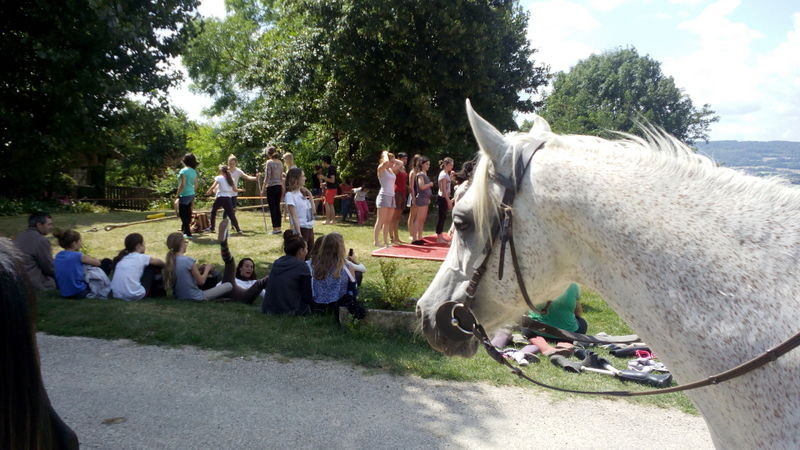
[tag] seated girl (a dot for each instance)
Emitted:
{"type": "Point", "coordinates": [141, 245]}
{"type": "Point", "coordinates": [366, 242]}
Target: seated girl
{"type": "Point", "coordinates": [562, 312]}
{"type": "Point", "coordinates": [289, 290]}
{"type": "Point", "coordinates": [331, 279]}
{"type": "Point", "coordinates": [136, 275]}
{"type": "Point", "coordinates": [186, 277]}
{"type": "Point", "coordinates": [71, 274]}
{"type": "Point", "coordinates": [246, 275]}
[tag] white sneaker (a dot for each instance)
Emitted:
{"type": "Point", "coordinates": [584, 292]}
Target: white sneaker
{"type": "Point", "coordinates": [224, 227]}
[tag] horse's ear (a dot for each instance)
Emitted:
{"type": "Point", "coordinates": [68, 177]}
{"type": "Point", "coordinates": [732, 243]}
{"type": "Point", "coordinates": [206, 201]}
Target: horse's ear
{"type": "Point", "coordinates": [489, 139]}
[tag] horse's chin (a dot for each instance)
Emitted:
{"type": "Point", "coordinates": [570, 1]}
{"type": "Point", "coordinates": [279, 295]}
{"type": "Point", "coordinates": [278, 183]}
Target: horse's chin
{"type": "Point", "coordinates": [464, 348]}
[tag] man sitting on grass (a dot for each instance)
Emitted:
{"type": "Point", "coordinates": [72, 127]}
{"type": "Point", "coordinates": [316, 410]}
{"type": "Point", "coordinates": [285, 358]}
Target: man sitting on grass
{"type": "Point", "coordinates": [37, 251]}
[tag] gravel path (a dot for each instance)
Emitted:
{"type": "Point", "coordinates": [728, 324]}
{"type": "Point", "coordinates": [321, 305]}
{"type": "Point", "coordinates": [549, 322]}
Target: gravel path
{"type": "Point", "coordinates": [116, 394]}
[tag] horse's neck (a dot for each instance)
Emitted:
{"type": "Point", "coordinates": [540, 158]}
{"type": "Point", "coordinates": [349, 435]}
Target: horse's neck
{"type": "Point", "coordinates": [667, 252]}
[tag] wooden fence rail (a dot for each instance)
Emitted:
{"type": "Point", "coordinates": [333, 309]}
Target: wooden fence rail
{"type": "Point", "coordinates": [126, 197]}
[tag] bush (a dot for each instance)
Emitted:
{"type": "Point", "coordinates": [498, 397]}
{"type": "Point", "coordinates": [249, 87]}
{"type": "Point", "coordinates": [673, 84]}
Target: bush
{"type": "Point", "coordinates": [394, 292]}
{"type": "Point", "coordinates": [15, 206]}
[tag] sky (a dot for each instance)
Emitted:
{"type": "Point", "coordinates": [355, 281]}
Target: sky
{"type": "Point", "coordinates": [741, 57]}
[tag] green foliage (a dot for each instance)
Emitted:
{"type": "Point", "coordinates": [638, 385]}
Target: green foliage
{"type": "Point", "coordinates": [151, 141]}
{"type": "Point", "coordinates": [612, 91]}
{"type": "Point", "coordinates": [352, 77]}
{"type": "Point", "coordinates": [395, 290]}
{"type": "Point", "coordinates": [17, 206]}
{"type": "Point", "coordinates": [69, 69]}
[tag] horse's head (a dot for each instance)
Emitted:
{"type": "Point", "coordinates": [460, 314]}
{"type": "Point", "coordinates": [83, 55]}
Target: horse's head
{"type": "Point", "coordinates": [475, 215]}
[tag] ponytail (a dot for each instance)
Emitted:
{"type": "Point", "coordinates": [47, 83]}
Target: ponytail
{"type": "Point", "coordinates": [174, 243]}
{"type": "Point", "coordinates": [444, 162]}
{"type": "Point", "coordinates": [227, 174]}
{"type": "Point", "coordinates": [131, 241]}
{"type": "Point", "coordinates": [67, 237]}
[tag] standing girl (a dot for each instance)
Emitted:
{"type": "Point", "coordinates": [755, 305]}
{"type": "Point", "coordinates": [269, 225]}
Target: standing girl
{"type": "Point", "coordinates": [360, 198]}
{"type": "Point", "coordinates": [187, 188]}
{"type": "Point", "coordinates": [385, 200]}
{"type": "Point", "coordinates": [444, 202]}
{"type": "Point", "coordinates": [412, 191]}
{"type": "Point", "coordinates": [236, 173]}
{"type": "Point", "coordinates": [422, 185]}
{"type": "Point", "coordinates": [225, 191]}
{"type": "Point", "coordinates": [299, 206]}
{"type": "Point", "coordinates": [135, 274]}
{"type": "Point", "coordinates": [273, 186]}
{"type": "Point", "coordinates": [400, 195]}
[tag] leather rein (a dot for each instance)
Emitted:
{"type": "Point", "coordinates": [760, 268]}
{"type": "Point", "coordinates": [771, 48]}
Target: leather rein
{"type": "Point", "coordinates": [458, 322]}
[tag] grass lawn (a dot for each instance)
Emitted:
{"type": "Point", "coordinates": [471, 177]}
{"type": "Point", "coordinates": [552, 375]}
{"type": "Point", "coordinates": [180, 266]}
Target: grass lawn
{"type": "Point", "coordinates": [243, 330]}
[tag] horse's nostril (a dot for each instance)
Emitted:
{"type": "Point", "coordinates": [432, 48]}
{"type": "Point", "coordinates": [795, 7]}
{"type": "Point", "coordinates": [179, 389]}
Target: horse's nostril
{"type": "Point", "coordinates": [419, 312]}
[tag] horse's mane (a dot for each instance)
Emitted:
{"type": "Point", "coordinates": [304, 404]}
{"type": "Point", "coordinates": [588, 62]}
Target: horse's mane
{"type": "Point", "coordinates": [657, 152]}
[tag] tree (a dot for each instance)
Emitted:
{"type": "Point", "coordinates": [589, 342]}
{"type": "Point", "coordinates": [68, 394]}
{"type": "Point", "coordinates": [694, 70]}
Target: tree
{"type": "Point", "coordinates": [615, 90]}
{"type": "Point", "coordinates": [69, 69]}
{"type": "Point", "coordinates": [368, 75]}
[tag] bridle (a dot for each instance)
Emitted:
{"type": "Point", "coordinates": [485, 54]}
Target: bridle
{"type": "Point", "coordinates": [457, 322]}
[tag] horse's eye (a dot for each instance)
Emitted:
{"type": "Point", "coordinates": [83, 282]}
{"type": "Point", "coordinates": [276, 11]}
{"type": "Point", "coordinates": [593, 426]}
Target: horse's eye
{"type": "Point", "coordinates": [460, 223]}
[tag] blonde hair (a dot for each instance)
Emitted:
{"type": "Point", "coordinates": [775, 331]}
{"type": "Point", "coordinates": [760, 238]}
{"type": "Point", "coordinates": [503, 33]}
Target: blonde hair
{"type": "Point", "coordinates": [174, 244]}
{"type": "Point", "coordinates": [288, 158]}
{"type": "Point", "coordinates": [385, 155]}
{"type": "Point", "coordinates": [445, 161]}
{"type": "Point", "coordinates": [329, 258]}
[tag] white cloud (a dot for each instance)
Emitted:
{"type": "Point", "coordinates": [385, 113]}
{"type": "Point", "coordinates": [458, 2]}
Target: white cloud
{"type": "Point", "coordinates": [605, 5]}
{"type": "Point", "coordinates": [755, 95]}
{"type": "Point", "coordinates": [212, 8]}
{"type": "Point", "coordinates": [556, 29]}
{"type": "Point", "coordinates": [181, 96]}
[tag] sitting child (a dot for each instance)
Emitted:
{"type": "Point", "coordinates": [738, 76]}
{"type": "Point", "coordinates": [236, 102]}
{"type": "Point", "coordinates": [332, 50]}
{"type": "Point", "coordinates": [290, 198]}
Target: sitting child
{"type": "Point", "coordinates": [289, 290]}
{"type": "Point", "coordinates": [186, 277]}
{"type": "Point", "coordinates": [136, 275]}
{"type": "Point", "coordinates": [71, 275]}
{"type": "Point", "coordinates": [331, 279]}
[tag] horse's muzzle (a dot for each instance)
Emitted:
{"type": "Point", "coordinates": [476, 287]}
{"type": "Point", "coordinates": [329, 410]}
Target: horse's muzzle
{"type": "Point", "coordinates": [450, 331]}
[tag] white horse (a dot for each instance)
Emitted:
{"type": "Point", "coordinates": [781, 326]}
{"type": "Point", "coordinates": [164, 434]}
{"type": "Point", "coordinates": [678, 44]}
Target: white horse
{"type": "Point", "coordinates": [701, 261]}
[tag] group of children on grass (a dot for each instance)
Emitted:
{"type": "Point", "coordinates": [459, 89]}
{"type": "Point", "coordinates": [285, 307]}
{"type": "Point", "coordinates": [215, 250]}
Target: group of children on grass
{"type": "Point", "coordinates": [316, 279]}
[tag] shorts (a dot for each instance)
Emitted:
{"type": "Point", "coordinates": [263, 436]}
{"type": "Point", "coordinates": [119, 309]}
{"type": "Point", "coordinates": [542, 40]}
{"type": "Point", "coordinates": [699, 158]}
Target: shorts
{"type": "Point", "coordinates": [384, 201]}
{"type": "Point", "coordinates": [400, 201]}
{"type": "Point", "coordinates": [330, 196]}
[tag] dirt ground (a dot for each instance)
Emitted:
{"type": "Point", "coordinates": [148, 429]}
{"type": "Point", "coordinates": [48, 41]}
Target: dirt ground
{"type": "Point", "coordinates": [116, 394]}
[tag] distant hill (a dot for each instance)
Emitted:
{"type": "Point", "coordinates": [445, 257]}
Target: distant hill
{"type": "Point", "coordinates": [758, 158]}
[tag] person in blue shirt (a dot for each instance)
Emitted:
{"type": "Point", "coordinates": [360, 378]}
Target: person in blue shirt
{"type": "Point", "coordinates": [331, 279]}
{"type": "Point", "coordinates": [187, 188]}
{"type": "Point", "coordinates": [68, 265]}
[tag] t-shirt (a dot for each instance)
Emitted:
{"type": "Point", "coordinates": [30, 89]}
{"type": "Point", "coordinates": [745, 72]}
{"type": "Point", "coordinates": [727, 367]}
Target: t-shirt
{"type": "Point", "coordinates": [302, 207]}
{"type": "Point", "coordinates": [126, 284]}
{"type": "Point", "coordinates": [190, 175]}
{"type": "Point", "coordinates": [331, 172]}
{"type": "Point", "coordinates": [444, 176]}
{"type": "Point", "coordinates": [360, 194]}
{"type": "Point", "coordinates": [185, 287]}
{"type": "Point", "coordinates": [236, 174]}
{"type": "Point", "coordinates": [274, 173]}
{"type": "Point", "coordinates": [561, 312]}
{"type": "Point", "coordinates": [224, 189]}
{"type": "Point", "coordinates": [401, 184]}
{"type": "Point", "coordinates": [423, 197]}
{"type": "Point", "coordinates": [70, 274]}
{"type": "Point", "coordinates": [330, 289]}
{"type": "Point", "coordinates": [246, 284]}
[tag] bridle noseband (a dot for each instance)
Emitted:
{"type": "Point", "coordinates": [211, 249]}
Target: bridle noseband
{"type": "Point", "coordinates": [457, 322]}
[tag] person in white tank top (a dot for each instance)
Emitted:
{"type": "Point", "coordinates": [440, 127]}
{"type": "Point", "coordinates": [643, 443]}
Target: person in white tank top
{"type": "Point", "coordinates": [385, 201]}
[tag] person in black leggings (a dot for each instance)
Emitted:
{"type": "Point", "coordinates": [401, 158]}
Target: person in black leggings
{"type": "Point", "coordinates": [225, 190]}
{"type": "Point", "coordinates": [443, 201]}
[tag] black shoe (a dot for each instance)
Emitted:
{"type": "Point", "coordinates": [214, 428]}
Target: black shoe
{"type": "Point", "coordinates": [419, 242]}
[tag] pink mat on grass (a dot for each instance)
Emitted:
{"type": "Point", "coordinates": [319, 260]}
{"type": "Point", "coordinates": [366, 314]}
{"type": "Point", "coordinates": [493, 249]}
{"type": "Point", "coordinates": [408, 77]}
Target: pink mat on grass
{"type": "Point", "coordinates": [430, 251]}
